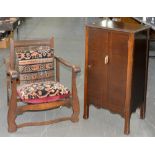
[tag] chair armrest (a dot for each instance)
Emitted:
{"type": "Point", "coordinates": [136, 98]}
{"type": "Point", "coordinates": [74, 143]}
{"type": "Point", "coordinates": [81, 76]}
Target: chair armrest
{"type": "Point", "coordinates": [13, 74]}
{"type": "Point", "coordinates": [75, 68]}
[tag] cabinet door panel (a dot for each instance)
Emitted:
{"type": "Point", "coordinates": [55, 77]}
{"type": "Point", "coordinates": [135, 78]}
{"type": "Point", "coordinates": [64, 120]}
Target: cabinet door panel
{"type": "Point", "coordinates": [97, 74]}
{"type": "Point", "coordinates": [117, 69]}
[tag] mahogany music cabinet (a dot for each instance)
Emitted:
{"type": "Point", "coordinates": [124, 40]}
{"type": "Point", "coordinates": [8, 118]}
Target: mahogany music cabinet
{"type": "Point", "coordinates": [116, 68]}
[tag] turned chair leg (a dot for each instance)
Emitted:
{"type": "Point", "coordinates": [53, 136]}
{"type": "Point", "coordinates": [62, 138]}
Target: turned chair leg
{"type": "Point", "coordinates": [142, 111]}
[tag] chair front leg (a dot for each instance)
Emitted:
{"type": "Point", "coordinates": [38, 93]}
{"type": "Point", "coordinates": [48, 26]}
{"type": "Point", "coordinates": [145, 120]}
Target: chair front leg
{"type": "Point", "coordinates": [75, 99]}
{"type": "Point", "coordinates": [12, 127]}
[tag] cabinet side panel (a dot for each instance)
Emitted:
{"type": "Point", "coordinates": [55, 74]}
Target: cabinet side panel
{"type": "Point", "coordinates": [86, 105]}
{"type": "Point", "coordinates": [139, 69]}
{"type": "Point", "coordinates": [117, 70]}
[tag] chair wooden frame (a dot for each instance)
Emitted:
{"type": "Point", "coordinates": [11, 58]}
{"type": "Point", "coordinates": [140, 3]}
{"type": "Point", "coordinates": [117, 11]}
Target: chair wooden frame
{"type": "Point", "coordinates": [14, 109]}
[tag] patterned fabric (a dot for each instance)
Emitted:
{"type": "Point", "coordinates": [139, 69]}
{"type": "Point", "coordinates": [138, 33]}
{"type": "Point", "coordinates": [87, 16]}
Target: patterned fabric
{"type": "Point", "coordinates": [35, 67]}
{"type": "Point", "coordinates": [29, 53]}
{"type": "Point", "coordinates": [42, 92]}
{"type": "Point", "coordinates": [35, 63]}
{"type": "Point", "coordinates": [36, 76]}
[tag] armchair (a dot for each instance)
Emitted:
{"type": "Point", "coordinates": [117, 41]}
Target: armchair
{"type": "Point", "coordinates": [35, 80]}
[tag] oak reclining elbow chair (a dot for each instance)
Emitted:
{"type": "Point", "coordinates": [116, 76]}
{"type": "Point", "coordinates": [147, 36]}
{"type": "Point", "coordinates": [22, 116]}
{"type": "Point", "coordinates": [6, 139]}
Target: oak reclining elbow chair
{"type": "Point", "coordinates": [35, 80]}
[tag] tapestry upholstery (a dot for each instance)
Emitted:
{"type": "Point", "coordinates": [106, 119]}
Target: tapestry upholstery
{"type": "Point", "coordinates": [35, 63]}
{"type": "Point", "coordinates": [42, 92]}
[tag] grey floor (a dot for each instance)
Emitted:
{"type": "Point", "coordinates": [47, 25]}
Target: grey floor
{"type": "Point", "coordinates": [69, 44]}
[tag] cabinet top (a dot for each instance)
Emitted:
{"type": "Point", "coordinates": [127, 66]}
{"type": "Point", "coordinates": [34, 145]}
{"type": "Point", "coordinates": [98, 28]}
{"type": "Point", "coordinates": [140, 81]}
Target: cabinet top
{"type": "Point", "coordinates": [118, 26]}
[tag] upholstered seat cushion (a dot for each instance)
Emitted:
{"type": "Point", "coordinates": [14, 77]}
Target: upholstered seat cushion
{"type": "Point", "coordinates": [42, 92]}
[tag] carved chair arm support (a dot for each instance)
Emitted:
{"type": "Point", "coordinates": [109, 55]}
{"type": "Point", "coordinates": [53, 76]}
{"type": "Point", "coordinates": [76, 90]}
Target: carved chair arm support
{"type": "Point", "coordinates": [75, 68]}
{"type": "Point", "coordinates": [13, 74]}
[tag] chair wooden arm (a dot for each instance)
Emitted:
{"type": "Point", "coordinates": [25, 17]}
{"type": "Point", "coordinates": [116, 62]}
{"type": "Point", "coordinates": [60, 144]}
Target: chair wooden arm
{"type": "Point", "coordinates": [75, 99]}
{"type": "Point", "coordinates": [13, 74]}
{"type": "Point", "coordinates": [75, 68]}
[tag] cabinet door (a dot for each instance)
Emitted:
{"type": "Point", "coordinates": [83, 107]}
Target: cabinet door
{"type": "Point", "coordinates": [117, 70]}
{"type": "Point", "coordinates": [97, 71]}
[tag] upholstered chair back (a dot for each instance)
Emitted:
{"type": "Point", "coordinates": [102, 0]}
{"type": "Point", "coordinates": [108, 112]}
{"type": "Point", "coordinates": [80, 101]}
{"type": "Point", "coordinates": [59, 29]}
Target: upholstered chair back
{"type": "Point", "coordinates": [34, 63]}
